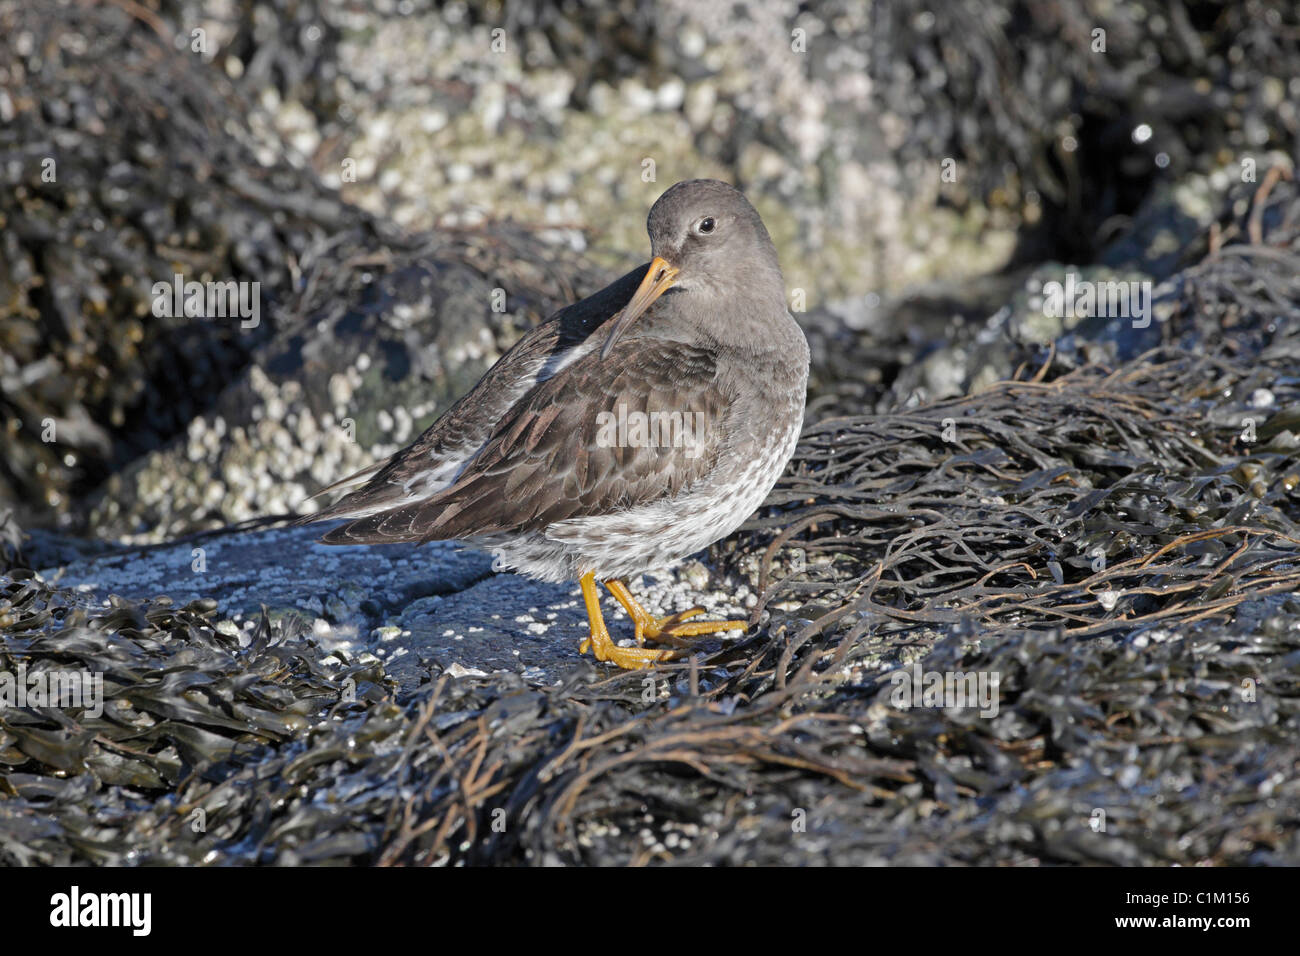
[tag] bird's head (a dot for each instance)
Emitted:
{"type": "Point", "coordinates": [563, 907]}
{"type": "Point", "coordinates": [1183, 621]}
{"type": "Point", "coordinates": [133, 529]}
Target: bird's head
{"type": "Point", "coordinates": [709, 243]}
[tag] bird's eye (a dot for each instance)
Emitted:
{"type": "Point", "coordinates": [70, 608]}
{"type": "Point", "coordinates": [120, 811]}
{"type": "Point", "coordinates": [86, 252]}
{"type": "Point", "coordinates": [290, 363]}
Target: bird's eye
{"type": "Point", "coordinates": [705, 226]}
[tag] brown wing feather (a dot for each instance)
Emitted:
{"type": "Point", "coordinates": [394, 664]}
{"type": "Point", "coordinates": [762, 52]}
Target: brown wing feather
{"type": "Point", "coordinates": [550, 459]}
{"type": "Point", "coordinates": [470, 420]}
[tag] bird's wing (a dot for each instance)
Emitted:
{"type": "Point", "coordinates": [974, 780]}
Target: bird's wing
{"type": "Point", "coordinates": [435, 460]}
{"type": "Point", "coordinates": [598, 437]}
{"type": "Point", "coordinates": [348, 481]}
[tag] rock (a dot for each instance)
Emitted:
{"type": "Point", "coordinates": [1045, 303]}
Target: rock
{"type": "Point", "coordinates": [127, 162]}
{"type": "Point", "coordinates": [434, 608]}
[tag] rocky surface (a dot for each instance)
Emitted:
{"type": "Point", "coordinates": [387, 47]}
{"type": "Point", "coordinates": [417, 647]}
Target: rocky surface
{"type": "Point", "coordinates": [836, 117]}
{"type": "Point", "coordinates": [420, 611]}
{"type": "Point", "coordinates": [121, 165]}
{"type": "Point", "coordinates": [952, 338]}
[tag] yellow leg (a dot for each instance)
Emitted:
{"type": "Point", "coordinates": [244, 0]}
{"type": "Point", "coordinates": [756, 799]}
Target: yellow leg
{"type": "Point", "coordinates": [602, 644]}
{"type": "Point", "coordinates": [655, 628]}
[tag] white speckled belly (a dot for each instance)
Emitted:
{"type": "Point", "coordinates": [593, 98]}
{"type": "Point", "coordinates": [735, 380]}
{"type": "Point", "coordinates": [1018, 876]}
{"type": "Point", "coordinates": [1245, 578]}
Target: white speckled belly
{"type": "Point", "coordinates": [649, 536]}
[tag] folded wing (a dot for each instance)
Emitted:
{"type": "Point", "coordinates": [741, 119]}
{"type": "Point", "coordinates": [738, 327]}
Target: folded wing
{"type": "Point", "coordinates": [596, 438]}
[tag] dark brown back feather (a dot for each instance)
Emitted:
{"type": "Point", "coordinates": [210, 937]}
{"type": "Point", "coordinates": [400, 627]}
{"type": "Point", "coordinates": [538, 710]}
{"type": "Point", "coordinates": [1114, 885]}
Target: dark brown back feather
{"type": "Point", "coordinates": [547, 461]}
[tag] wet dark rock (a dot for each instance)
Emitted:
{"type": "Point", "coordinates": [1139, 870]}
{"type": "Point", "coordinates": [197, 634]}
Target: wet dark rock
{"type": "Point", "coordinates": [419, 609]}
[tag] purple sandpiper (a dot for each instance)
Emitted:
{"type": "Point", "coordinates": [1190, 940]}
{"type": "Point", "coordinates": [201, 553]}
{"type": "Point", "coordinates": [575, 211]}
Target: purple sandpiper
{"type": "Point", "coordinates": [628, 431]}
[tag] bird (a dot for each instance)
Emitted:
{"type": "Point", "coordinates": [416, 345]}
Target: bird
{"type": "Point", "coordinates": [626, 432]}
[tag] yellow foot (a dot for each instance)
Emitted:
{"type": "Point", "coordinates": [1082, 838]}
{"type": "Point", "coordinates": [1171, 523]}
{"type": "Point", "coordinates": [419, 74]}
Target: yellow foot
{"type": "Point", "coordinates": [670, 627]}
{"type": "Point", "coordinates": [696, 628]}
{"type": "Point", "coordinates": [647, 625]}
{"type": "Point", "coordinates": [628, 658]}
{"type": "Point", "coordinates": [602, 645]}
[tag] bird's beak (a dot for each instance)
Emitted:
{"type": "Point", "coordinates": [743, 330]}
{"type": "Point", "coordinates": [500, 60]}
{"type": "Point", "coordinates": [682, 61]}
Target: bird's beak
{"type": "Point", "coordinates": [658, 279]}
